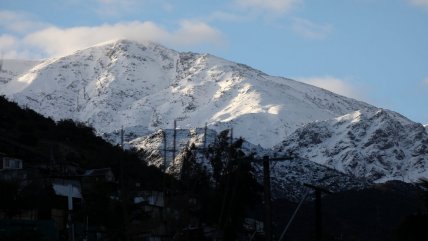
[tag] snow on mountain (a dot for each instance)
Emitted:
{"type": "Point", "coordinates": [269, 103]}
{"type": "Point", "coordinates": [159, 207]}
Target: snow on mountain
{"type": "Point", "coordinates": [156, 143]}
{"type": "Point", "coordinates": [10, 69]}
{"type": "Point", "coordinates": [144, 87]}
{"type": "Point", "coordinates": [378, 144]}
{"type": "Point", "coordinates": [287, 177]}
{"type": "Point", "coordinates": [147, 86]}
{"type": "Point", "coordinates": [426, 127]}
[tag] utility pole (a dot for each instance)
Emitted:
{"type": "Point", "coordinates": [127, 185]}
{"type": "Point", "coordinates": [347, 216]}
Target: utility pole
{"type": "Point", "coordinates": [267, 199]}
{"type": "Point", "coordinates": [164, 150]}
{"type": "Point", "coordinates": [77, 101]}
{"type": "Point", "coordinates": [175, 137]}
{"type": "Point", "coordinates": [267, 193]}
{"type": "Point", "coordinates": [70, 213]}
{"type": "Point", "coordinates": [205, 136]}
{"type": "Point", "coordinates": [122, 192]}
{"type": "Point", "coordinates": [318, 206]}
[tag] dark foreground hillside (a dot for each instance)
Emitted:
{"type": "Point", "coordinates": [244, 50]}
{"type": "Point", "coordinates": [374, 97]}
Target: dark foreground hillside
{"type": "Point", "coordinates": [119, 197]}
{"type": "Point", "coordinates": [390, 211]}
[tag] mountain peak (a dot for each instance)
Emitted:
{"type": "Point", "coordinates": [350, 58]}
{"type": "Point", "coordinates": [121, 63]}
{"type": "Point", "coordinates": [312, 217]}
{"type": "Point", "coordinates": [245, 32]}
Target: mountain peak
{"type": "Point", "coordinates": [128, 83]}
{"type": "Point", "coordinates": [145, 87]}
{"type": "Point", "coordinates": [124, 41]}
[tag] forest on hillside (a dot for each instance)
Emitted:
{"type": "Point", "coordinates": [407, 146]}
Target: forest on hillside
{"type": "Point", "coordinates": [222, 203]}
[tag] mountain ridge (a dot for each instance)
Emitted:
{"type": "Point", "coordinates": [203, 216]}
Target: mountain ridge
{"type": "Point", "coordinates": [143, 88]}
{"type": "Point", "coordinates": [127, 83]}
{"type": "Point", "coordinates": [381, 145]}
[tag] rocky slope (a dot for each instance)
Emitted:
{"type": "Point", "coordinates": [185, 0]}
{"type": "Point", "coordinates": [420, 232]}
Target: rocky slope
{"type": "Point", "coordinates": [378, 144]}
{"type": "Point", "coordinates": [288, 176]}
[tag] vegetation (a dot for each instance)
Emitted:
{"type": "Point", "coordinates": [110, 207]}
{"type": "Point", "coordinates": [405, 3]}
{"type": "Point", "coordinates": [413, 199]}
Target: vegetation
{"type": "Point", "coordinates": [217, 187]}
{"type": "Point", "coordinates": [229, 191]}
{"type": "Point", "coordinates": [64, 149]}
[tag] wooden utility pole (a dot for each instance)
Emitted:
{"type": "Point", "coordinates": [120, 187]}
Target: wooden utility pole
{"type": "Point", "coordinates": [318, 206]}
{"type": "Point", "coordinates": [174, 141]}
{"type": "Point", "coordinates": [267, 199]}
{"type": "Point", "coordinates": [164, 150]}
{"type": "Point", "coordinates": [70, 212]}
{"type": "Point", "coordinates": [205, 136]}
{"type": "Point", "coordinates": [123, 192]}
{"type": "Point", "coordinates": [267, 193]}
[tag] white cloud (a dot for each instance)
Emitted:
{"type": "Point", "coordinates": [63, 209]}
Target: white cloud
{"type": "Point", "coordinates": [19, 22]}
{"type": "Point", "coordinates": [420, 3]}
{"type": "Point", "coordinates": [308, 29]}
{"type": "Point", "coordinates": [6, 41]}
{"type": "Point", "coordinates": [9, 48]}
{"type": "Point", "coordinates": [272, 6]}
{"type": "Point", "coordinates": [55, 41]}
{"type": "Point", "coordinates": [194, 32]}
{"type": "Point", "coordinates": [335, 85]}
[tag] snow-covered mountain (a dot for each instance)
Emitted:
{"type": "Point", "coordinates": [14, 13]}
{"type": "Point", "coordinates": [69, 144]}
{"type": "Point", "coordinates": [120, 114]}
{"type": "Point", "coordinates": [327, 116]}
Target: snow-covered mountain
{"type": "Point", "coordinates": [129, 84]}
{"type": "Point", "coordinates": [144, 87]}
{"type": "Point", "coordinates": [10, 69]}
{"type": "Point", "coordinates": [378, 144]}
{"type": "Point", "coordinates": [288, 176]}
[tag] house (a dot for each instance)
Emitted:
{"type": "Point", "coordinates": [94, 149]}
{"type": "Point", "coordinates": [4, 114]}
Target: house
{"type": "Point", "coordinates": [101, 174]}
{"type": "Point", "coordinates": [11, 168]}
{"type": "Point", "coordinates": [68, 195]}
{"type": "Point", "coordinates": [10, 163]}
{"type": "Point", "coordinates": [150, 200]}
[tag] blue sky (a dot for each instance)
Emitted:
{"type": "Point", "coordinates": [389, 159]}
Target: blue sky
{"type": "Point", "coordinates": [371, 50]}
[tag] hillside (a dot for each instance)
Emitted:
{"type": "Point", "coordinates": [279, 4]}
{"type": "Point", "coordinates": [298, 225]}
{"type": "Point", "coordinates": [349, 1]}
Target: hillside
{"type": "Point", "coordinates": [42, 143]}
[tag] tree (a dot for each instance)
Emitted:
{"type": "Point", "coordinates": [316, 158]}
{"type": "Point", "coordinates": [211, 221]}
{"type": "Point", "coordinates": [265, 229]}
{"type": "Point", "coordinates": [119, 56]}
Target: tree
{"type": "Point", "coordinates": [235, 185]}
{"type": "Point", "coordinates": [414, 227]}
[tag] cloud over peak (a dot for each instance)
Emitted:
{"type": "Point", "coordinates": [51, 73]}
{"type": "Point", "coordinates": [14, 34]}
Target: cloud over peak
{"type": "Point", "coordinates": [56, 41]}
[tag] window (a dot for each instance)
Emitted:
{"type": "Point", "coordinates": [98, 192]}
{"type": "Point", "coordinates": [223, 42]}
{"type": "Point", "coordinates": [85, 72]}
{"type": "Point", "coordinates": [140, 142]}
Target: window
{"type": "Point", "coordinates": [9, 163]}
